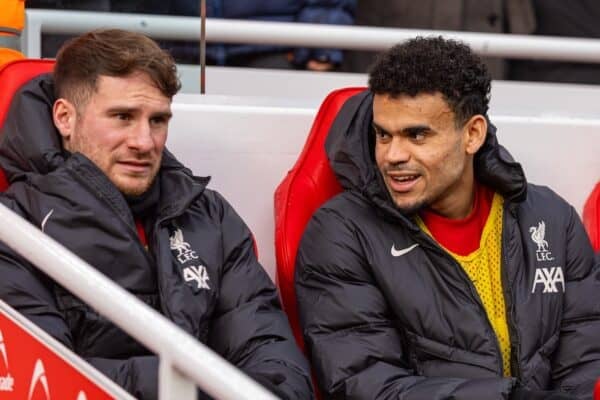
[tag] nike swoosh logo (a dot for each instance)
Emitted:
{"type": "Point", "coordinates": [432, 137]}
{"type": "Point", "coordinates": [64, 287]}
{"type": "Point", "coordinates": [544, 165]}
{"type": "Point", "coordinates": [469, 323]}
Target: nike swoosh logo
{"type": "Point", "coordinates": [46, 219]}
{"type": "Point", "coordinates": [401, 252]}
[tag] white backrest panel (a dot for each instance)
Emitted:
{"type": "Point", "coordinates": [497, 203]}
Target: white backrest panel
{"type": "Point", "coordinates": [247, 144]}
{"type": "Point", "coordinates": [247, 152]}
{"type": "Point", "coordinates": [561, 153]}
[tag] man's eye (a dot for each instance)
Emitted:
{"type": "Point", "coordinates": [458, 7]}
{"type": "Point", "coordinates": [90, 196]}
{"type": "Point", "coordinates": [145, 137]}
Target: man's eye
{"type": "Point", "coordinates": [418, 136]}
{"type": "Point", "coordinates": [380, 133]}
{"type": "Point", "coordinates": [157, 120]}
{"type": "Point", "coordinates": [123, 116]}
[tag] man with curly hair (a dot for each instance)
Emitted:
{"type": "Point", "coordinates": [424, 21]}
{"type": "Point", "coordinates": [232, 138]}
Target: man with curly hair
{"type": "Point", "coordinates": [439, 272]}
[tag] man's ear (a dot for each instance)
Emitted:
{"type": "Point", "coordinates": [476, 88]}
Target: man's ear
{"type": "Point", "coordinates": [64, 116]}
{"type": "Point", "coordinates": [475, 131]}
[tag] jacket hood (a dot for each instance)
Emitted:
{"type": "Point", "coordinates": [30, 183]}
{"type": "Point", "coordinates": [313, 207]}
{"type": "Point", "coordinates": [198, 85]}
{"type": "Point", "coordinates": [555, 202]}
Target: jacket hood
{"type": "Point", "coordinates": [29, 141]}
{"type": "Point", "coordinates": [30, 144]}
{"type": "Point", "coordinates": [350, 149]}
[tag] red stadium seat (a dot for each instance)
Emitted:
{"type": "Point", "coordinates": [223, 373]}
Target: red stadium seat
{"type": "Point", "coordinates": [597, 391]}
{"type": "Point", "coordinates": [591, 219]}
{"type": "Point", "coordinates": [306, 187]}
{"type": "Point", "coordinates": [12, 76]}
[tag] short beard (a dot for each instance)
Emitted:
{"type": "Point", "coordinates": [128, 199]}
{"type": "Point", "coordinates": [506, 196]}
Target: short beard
{"type": "Point", "coordinates": [412, 210]}
{"type": "Point", "coordinates": [135, 192]}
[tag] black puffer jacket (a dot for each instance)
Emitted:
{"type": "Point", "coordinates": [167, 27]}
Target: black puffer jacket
{"type": "Point", "coordinates": [412, 326]}
{"type": "Point", "coordinates": [226, 301]}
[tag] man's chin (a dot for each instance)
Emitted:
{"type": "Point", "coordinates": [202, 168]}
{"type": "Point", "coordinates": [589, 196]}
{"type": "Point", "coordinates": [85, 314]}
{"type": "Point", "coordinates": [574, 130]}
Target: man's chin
{"type": "Point", "coordinates": [133, 187]}
{"type": "Point", "coordinates": [410, 209]}
{"type": "Point", "coordinates": [131, 192]}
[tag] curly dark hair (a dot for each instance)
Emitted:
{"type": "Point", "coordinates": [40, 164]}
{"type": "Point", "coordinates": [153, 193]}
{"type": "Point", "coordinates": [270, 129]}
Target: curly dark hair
{"type": "Point", "coordinates": [430, 65]}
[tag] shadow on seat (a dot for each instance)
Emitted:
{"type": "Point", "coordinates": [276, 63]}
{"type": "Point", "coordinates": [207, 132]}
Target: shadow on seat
{"type": "Point", "coordinates": [308, 185]}
{"type": "Point", "coordinates": [591, 220]}
{"type": "Point", "coordinates": [12, 76]}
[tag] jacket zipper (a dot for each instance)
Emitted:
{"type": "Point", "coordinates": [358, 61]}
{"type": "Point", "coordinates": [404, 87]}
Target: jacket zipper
{"type": "Point", "coordinates": [509, 301]}
{"type": "Point", "coordinates": [474, 294]}
{"type": "Point", "coordinates": [131, 228]}
{"type": "Point", "coordinates": [160, 220]}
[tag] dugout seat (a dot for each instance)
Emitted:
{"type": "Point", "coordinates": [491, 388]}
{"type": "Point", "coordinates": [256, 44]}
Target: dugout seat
{"type": "Point", "coordinates": [12, 76]}
{"type": "Point", "coordinates": [591, 218]}
{"type": "Point", "coordinates": [307, 185]}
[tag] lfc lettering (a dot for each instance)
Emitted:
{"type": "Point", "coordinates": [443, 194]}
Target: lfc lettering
{"type": "Point", "coordinates": [184, 250]}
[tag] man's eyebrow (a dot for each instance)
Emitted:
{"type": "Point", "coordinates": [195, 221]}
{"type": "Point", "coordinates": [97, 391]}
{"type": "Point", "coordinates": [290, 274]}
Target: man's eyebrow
{"type": "Point", "coordinates": [377, 127]}
{"type": "Point", "coordinates": [162, 114]}
{"type": "Point", "coordinates": [121, 110]}
{"type": "Point", "coordinates": [130, 110]}
{"type": "Point", "coordinates": [409, 130]}
{"type": "Point", "coordinates": [415, 129]}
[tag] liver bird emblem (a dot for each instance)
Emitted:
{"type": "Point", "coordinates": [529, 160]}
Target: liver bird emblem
{"type": "Point", "coordinates": [537, 235]}
{"type": "Point", "coordinates": [177, 243]}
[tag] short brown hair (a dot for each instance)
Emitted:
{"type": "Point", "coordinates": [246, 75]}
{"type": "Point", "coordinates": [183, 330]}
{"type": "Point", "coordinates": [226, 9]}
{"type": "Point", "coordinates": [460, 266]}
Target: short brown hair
{"type": "Point", "coordinates": [110, 52]}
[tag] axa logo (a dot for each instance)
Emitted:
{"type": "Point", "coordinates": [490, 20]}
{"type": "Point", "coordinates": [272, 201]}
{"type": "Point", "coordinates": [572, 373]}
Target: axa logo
{"type": "Point", "coordinates": [7, 382]}
{"type": "Point", "coordinates": [39, 379]}
{"type": "Point", "coordinates": [183, 248]}
{"type": "Point", "coordinates": [197, 274]}
{"type": "Point", "coordinates": [549, 278]}
{"type": "Point", "coordinates": [538, 236]}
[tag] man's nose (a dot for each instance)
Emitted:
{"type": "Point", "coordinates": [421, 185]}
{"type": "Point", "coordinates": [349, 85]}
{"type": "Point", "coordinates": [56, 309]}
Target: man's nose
{"type": "Point", "coordinates": [140, 138]}
{"type": "Point", "coordinates": [398, 151]}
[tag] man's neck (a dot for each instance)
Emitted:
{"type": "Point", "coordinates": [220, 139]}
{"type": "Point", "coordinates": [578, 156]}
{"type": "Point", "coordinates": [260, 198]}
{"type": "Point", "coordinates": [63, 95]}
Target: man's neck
{"type": "Point", "coordinates": [146, 203]}
{"type": "Point", "coordinates": [461, 236]}
{"type": "Point", "coordinates": [459, 203]}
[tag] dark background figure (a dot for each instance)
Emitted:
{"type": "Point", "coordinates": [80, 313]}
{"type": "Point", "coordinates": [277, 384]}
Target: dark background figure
{"type": "Point", "coordinates": [51, 43]}
{"type": "Point", "coordinates": [576, 18]}
{"type": "Point", "coordinates": [340, 12]}
{"type": "Point", "coordinates": [489, 16]}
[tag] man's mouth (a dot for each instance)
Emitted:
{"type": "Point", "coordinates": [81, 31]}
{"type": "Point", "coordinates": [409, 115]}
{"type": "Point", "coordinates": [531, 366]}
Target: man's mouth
{"type": "Point", "coordinates": [136, 167]}
{"type": "Point", "coordinates": [405, 178]}
{"type": "Point", "coordinates": [403, 183]}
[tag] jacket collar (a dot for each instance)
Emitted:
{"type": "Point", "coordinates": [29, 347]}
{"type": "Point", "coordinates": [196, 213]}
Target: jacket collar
{"type": "Point", "coordinates": [350, 149]}
{"type": "Point", "coordinates": [29, 142]}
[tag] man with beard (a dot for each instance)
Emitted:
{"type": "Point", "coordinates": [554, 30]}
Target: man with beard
{"type": "Point", "coordinates": [84, 151]}
{"type": "Point", "coordinates": [439, 272]}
